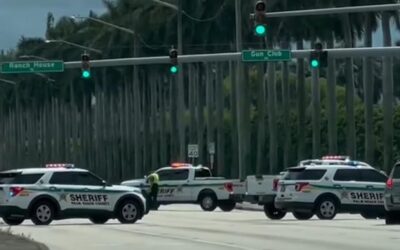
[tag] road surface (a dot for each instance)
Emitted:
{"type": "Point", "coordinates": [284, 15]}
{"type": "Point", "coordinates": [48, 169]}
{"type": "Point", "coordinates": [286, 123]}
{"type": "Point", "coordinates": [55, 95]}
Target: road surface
{"type": "Point", "coordinates": [187, 227]}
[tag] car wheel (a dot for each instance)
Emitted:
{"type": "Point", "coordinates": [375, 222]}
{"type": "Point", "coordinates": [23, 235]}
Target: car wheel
{"type": "Point", "coordinates": [227, 206]}
{"type": "Point", "coordinates": [369, 215]}
{"type": "Point", "coordinates": [273, 213]}
{"type": "Point", "coordinates": [208, 202]}
{"type": "Point", "coordinates": [13, 221]}
{"type": "Point", "coordinates": [128, 212]}
{"type": "Point", "coordinates": [326, 208]}
{"type": "Point", "coordinates": [392, 218]}
{"type": "Point", "coordinates": [98, 220]}
{"type": "Point", "coordinates": [303, 215]}
{"type": "Point", "coordinates": [42, 213]}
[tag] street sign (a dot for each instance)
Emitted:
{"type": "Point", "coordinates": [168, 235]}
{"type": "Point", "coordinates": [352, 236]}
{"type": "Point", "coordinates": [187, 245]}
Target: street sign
{"type": "Point", "coordinates": [211, 148]}
{"type": "Point", "coordinates": [193, 151]}
{"type": "Point", "coordinates": [266, 55]}
{"type": "Point", "coordinates": [31, 67]}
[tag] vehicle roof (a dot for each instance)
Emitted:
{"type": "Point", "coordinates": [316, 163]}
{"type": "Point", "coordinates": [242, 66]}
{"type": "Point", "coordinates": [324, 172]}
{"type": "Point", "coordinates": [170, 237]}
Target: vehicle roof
{"type": "Point", "coordinates": [42, 170]}
{"type": "Point", "coordinates": [189, 166]}
{"type": "Point", "coordinates": [331, 163]}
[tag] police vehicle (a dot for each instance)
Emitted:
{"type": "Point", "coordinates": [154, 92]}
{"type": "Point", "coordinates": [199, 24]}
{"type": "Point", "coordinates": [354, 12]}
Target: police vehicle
{"type": "Point", "coordinates": [185, 183]}
{"type": "Point", "coordinates": [331, 185]}
{"type": "Point", "coordinates": [60, 191]}
{"type": "Point", "coordinates": [392, 196]}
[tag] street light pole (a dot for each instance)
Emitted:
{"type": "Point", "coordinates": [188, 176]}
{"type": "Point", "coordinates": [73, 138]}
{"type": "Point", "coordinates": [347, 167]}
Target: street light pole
{"type": "Point", "coordinates": [74, 45]}
{"type": "Point", "coordinates": [39, 58]}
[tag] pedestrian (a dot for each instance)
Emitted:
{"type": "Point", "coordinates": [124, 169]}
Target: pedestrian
{"type": "Point", "coordinates": [153, 181]}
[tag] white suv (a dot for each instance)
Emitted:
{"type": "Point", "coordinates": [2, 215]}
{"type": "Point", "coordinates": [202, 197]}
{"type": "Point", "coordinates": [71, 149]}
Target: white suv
{"type": "Point", "coordinates": [61, 191]}
{"type": "Point", "coordinates": [331, 185]}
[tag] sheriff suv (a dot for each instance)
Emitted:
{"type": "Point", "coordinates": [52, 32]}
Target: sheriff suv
{"type": "Point", "coordinates": [331, 185]}
{"type": "Point", "coordinates": [392, 196]}
{"type": "Point", "coordinates": [60, 191]}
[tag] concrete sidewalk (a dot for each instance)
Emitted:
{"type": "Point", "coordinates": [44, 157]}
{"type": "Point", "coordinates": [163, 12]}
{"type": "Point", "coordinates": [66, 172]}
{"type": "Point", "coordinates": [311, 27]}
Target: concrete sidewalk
{"type": "Point", "coordinates": [9, 241]}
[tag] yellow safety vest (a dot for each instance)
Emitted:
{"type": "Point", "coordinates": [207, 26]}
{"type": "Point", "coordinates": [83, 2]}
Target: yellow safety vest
{"type": "Point", "coordinates": [153, 179]}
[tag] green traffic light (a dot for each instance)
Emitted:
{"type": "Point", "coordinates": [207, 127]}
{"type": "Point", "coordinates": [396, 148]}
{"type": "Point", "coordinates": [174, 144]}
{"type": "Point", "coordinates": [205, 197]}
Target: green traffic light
{"type": "Point", "coordinates": [260, 30]}
{"type": "Point", "coordinates": [86, 74]}
{"type": "Point", "coordinates": [173, 69]}
{"type": "Point", "coordinates": [315, 63]}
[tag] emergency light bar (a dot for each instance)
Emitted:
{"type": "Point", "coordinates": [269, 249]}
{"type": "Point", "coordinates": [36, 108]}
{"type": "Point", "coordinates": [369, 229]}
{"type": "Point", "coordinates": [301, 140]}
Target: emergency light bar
{"type": "Point", "coordinates": [60, 165]}
{"type": "Point", "coordinates": [336, 157]}
{"type": "Point", "coordinates": [180, 165]}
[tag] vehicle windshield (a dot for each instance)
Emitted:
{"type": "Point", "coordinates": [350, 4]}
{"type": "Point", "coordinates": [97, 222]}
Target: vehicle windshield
{"type": "Point", "coordinates": [304, 174]}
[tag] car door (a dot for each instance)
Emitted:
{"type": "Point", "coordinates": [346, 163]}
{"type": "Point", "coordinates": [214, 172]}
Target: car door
{"type": "Point", "coordinates": [80, 190]}
{"type": "Point", "coordinates": [172, 184]}
{"type": "Point", "coordinates": [359, 187]}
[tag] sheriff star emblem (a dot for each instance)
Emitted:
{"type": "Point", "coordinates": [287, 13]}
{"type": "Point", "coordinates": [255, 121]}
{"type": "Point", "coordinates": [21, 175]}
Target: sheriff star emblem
{"type": "Point", "coordinates": [63, 197]}
{"type": "Point", "coordinates": [344, 195]}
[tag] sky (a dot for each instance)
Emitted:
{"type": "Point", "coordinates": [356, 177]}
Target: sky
{"type": "Point", "coordinates": [28, 17]}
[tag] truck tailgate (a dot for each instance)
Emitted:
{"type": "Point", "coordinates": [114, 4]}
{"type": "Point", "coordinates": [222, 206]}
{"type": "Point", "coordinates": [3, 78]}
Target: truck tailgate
{"type": "Point", "coordinates": [260, 185]}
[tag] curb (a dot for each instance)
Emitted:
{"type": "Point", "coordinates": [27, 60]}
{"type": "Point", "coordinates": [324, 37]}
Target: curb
{"type": "Point", "coordinates": [15, 241]}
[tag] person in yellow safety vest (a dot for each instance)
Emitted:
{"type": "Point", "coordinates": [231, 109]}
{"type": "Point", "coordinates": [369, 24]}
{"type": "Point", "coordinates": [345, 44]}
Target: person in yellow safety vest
{"type": "Point", "coordinates": [153, 180]}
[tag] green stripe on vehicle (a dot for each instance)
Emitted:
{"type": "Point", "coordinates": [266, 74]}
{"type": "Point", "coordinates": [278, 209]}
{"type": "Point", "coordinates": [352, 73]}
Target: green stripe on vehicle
{"type": "Point", "coordinates": [348, 188]}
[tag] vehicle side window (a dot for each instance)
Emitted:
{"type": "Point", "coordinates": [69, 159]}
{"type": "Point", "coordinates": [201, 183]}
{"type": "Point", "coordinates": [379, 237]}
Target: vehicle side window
{"type": "Point", "coordinates": [27, 178]}
{"type": "Point", "coordinates": [75, 178]}
{"type": "Point", "coordinates": [201, 173]}
{"type": "Point", "coordinates": [347, 175]}
{"type": "Point", "coordinates": [396, 172]}
{"type": "Point", "coordinates": [88, 179]}
{"type": "Point", "coordinates": [370, 175]}
{"type": "Point", "coordinates": [63, 178]}
{"type": "Point", "coordinates": [173, 175]}
{"type": "Point", "coordinates": [17, 178]}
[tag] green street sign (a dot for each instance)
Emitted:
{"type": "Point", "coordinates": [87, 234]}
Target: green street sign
{"type": "Point", "coordinates": [31, 67]}
{"type": "Point", "coordinates": [266, 55]}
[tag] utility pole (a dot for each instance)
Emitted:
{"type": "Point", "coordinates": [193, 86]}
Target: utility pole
{"type": "Point", "coordinates": [181, 103]}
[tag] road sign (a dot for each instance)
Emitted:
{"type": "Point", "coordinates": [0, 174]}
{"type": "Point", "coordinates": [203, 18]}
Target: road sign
{"type": "Point", "coordinates": [211, 147]}
{"type": "Point", "coordinates": [193, 151]}
{"type": "Point", "coordinates": [31, 67]}
{"type": "Point", "coordinates": [266, 55]}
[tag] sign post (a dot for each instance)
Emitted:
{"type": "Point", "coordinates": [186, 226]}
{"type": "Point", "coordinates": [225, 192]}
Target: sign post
{"type": "Point", "coordinates": [31, 67]}
{"type": "Point", "coordinates": [211, 151]}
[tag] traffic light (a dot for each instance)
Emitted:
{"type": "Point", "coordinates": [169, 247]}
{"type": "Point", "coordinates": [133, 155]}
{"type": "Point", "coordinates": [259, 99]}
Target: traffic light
{"type": "Point", "coordinates": [318, 57]}
{"type": "Point", "coordinates": [85, 66]}
{"type": "Point", "coordinates": [173, 56]}
{"type": "Point", "coordinates": [260, 27]}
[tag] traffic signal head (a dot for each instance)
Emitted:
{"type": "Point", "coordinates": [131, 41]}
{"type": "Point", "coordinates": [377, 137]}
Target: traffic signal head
{"type": "Point", "coordinates": [260, 28]}
{"type": "Point", "coordinates": [318, 57]}
{"type": "Point", "coordinates": [85, 58]}
{"type": "Point", "coordinates": [173, 56]}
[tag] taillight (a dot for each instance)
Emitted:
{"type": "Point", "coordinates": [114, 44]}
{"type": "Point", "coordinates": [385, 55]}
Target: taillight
{"type": "Point", "coordinates": [389, 184]}
{"type": "Point", "coordinates": [14, 191]}
{"type": "Point", "coordinates": [275, 184]}
{"type": "Point", "coordinates": [302, 186]}
{"type": "Point", "coordinates": [229, 187]}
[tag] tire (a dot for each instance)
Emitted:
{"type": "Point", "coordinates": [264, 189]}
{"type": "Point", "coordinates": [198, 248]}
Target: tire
{"type": "Point", "coordinates": [227, 206]}
{"type": "Point", "coordinates": [13, 221]}
{"type": "Point", "coordinates": [370, 216]}
{"type": "Point", "coordinates": [128, 212]}
{"type": "Point", "coordinates": [392, 218]}
{"type": "Point", "coordinates": [42, 213]}
{"type": "Point", "coordinates": [273, 213]}
{"type": "Point", "coordinates": [303, 215]}
{"type": "Point", "coordinates": [208, 202]}
{"type": "Point", "coordinates": [98, 220]}
{"type": "Point", "coordinates": [326, 208]}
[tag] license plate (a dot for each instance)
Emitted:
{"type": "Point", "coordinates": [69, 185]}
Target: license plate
{"type": "Point", "coordinates": [283, 188]}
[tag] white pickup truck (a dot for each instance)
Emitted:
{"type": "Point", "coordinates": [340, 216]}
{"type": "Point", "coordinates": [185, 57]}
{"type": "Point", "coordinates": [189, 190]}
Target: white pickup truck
{"type": "Point", "coordinates": [185, 183]}
{"type": "Point", "coordinates": [260, 190]}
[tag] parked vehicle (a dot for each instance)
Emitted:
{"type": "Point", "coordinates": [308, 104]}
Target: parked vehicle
{"type": "Point", "coordinates": [392, 196]}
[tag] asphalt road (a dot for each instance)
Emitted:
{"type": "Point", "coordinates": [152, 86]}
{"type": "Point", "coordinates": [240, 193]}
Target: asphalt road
{"type": "Point", "coordinates": [187, 227]}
